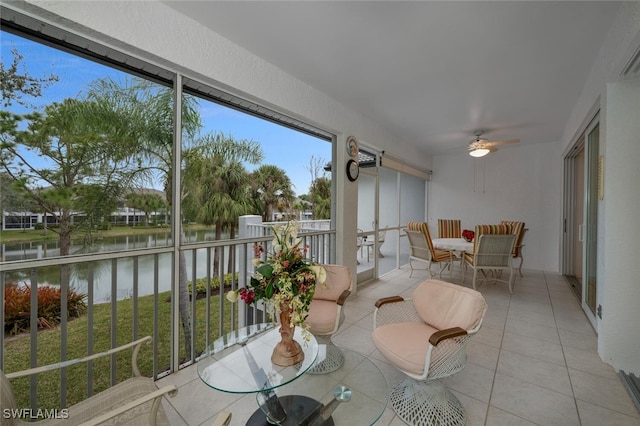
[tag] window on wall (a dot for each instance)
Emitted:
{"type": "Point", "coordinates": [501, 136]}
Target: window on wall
{"type": "Point", "coordinates": [89, 153]}
{"type": "Point", "coordinates": [237, 163]}
{"type": "Point", "coordinates": [86, 149]}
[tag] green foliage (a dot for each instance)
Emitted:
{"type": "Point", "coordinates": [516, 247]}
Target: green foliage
{"type": "Point", "coordinates": [201, 283]}
{"type": "Point", "coordinates": [16, 355]}
{"type": "Point", "coordinates": [18, 307]}
{"type": "Point", "coordinates": [320, 195]}
{"type": "Point", "coordinates": [15, 81]}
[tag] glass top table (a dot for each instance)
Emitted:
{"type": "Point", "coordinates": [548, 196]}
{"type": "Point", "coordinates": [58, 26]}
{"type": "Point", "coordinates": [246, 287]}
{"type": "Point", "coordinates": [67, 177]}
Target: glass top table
{"type": "Point", "coordinates": [240, 361]}
{"type": "Point", "coordinates": [354, 394]}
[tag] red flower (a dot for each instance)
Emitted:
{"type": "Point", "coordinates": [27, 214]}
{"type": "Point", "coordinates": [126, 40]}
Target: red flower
{"type": "Point", "coordinates": [247, 295]}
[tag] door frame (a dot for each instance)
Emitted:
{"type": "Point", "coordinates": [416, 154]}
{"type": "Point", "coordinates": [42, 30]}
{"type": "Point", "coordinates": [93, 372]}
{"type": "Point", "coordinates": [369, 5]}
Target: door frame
{"type": "Point", "coordinates": [580, 143]}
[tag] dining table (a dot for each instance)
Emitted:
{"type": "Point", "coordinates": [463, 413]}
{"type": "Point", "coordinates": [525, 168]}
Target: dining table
{"type": "Point", "coordinates": [459, 246]}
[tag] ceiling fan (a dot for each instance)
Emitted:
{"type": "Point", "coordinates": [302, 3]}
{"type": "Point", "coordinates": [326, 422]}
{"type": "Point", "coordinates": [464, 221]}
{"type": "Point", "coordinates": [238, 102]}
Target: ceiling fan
{"type": "Point", "coordinates": [480, 147]}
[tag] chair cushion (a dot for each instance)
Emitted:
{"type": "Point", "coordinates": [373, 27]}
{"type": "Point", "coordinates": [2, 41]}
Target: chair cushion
{"type": "Point", "coordinates": [338, 280]}
{"type": "Point", "coordinates": [444, 305]}
{"type": "Point", "coordinates": [517, 228]}
{"type": "Point", "coordinates": [322, 317]}
{"type": "Point", "coordinates": [404, 344]}
{"type": "Point", "coordinates": [449, 228]}
{"type": "Point", "coordinates": [440, 255]}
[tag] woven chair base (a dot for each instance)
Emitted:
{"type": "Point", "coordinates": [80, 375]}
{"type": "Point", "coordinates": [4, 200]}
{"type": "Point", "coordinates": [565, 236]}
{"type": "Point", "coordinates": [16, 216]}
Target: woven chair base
{"type": "Point", "coordinates": [430, 403]}
{"type": "Point", "coordinates": [333, 360]}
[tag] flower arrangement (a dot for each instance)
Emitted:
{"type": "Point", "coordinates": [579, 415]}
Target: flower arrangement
{"type": "Point", "coordinates": [468, 235]}
{"type": "Point", "coordinates": [286, 277]}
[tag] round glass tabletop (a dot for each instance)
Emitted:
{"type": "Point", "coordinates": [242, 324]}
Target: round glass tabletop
{"type": "Point", "coordinates": [240, 361]}
{"type": "Point", "coordinates": [354, 394]}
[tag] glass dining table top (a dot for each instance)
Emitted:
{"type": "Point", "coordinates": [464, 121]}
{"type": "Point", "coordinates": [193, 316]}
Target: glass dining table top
{"type": "Point", "coordinates": [354, 394]}
{"type": "Point", "coordinates": [240, 361]}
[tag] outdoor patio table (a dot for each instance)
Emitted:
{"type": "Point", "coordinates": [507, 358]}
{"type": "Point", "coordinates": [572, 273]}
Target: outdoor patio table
{"type": "Point", "coordinates": [460, 246]}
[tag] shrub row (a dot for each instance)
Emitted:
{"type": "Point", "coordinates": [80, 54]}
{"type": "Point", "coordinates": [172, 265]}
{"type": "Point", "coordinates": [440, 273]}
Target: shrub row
{"type": "Point", "coordinates": [201, 283]}
{"type": "Point", "coordinates": [17, 307]}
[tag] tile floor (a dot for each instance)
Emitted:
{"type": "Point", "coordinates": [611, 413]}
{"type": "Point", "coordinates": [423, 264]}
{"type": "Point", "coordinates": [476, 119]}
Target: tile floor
{"type": "Point", "coordinates": [534, 362]}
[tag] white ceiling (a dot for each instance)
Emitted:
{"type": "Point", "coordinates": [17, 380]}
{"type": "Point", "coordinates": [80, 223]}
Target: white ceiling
{"type": "Point", "coordinates": [430, 72]}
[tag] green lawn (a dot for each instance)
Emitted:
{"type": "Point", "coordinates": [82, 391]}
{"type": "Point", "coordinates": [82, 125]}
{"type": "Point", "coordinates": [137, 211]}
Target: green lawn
{"type": "Point", "coordinates": [16, 355]}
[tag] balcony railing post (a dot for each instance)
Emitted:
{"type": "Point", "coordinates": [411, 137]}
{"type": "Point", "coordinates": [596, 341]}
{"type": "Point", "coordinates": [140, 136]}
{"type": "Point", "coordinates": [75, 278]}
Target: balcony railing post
{"type": "Point", "coordinates": [246, 268]}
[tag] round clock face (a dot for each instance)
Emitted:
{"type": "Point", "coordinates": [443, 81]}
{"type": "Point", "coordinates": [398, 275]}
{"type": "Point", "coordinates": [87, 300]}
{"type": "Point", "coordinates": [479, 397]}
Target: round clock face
{"type": "Point", "coordinates": [352, 146]}
{"type": "Point", "coordinates": [353, 170]}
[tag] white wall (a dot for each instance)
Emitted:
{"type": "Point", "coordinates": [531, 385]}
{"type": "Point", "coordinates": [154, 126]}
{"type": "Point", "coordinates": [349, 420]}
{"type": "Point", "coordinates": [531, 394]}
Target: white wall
{"type": "Point", "coordinates": [619, 334]}
{"type": "Point", "coordinates": [617, 276]}
{"type": "Point", "coordinates": [518, 182]}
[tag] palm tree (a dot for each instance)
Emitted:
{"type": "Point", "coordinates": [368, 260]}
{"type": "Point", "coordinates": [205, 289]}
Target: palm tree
{"type": "Point", "coordinates": [320, 195]}
{"type": "Point", "coordinates": [154, 106]}
{"type": "Point", "coordinates": [273, 188]}
{"type": "Point", "coordinates": [217, 183]}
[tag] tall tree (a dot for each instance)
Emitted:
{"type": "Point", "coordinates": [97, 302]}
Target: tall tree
{"type": "Point", "coordinates": [217, 183]}
{"type": "Point", "coordinates": [273, 188]}
{"type": "Point", "coordinates": [320, 194]}
{"type": "Point", "coordinates": [146, 202]}
{"type": "Point", "coordinates": [155, 106]}
{"type": "Point", "coordinates": [320, 189]}
{"type": "Point", "coordinates": [16, 84]}
{"type": "Point", "coordinates": [84, 145]}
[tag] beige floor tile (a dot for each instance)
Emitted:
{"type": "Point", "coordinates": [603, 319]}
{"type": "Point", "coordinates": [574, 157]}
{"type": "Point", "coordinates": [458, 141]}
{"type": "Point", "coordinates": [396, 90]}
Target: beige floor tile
{"type": "Point", "coordinates": [589, 362]}
{"type": "Point", "coordinates": [474, 381]}
{"type": "Point", "coordinates": [483, 355]}
{"type": "Point", "coordinates": [496, 417]}
{"type": "Point", "coordinates": [528, 346]}
{"type": "Point", "coordinates": [603, 392]}
{"type": "Point", "coordinates": [592, 415]}
{"type": "Point", "coordinates": [569, 339]}
{"type": "Point", "coordinates": [521, 305]}
{"type": "Point", "coordinates": [355, 338]}
{"type": "Point", "coordinates": [531, 329]}
{"type": "Point", "coordinates": [576, 325]}
{"type": "Point", "coordinates": [533, 403]}
{"type": "Point", "coordinates": [532, 317]}
{"type": "Point", "coordinates": [542, 373]}
{"type": "Point", "coordinates": [475, 411]}
{"type": "Point", "coordinates": [490, 336]}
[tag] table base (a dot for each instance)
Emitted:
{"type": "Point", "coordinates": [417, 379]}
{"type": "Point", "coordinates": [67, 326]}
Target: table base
{"type": "Point", "coordinates": [300, 409]}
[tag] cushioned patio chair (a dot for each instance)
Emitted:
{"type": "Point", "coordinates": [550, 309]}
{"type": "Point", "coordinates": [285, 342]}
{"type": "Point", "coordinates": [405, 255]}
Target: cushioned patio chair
{"type": "Point", "coordinates": [326, 315]}
{"type": "Point", "coordinates": [493, 254]}
{"type": "Point", "coordinates": [518, 229]}
{"type": "Point", "coordinates": [135, 401]}
{"type": "Point", "coordinates": [422, 249]}
{"type": "Point", "coordinates": [449, 228]}
{"type": "Point", "coordinates": [426, 338]}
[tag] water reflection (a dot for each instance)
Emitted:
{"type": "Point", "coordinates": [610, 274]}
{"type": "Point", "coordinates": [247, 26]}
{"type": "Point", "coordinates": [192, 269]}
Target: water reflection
{"type": "Point", "coordinates": [104, 274]}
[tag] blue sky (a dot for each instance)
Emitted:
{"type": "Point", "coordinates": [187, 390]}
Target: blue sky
{"type": "Point", "coordinates": [286, 148]}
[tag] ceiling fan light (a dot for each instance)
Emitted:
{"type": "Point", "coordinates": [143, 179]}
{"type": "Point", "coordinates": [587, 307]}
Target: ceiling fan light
{"type": "Point", "coordinates": [479, 152]}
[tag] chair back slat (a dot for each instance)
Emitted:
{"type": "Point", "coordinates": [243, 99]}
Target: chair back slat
{"type": "Point", "coordinates": [424, 228]}
{"type": "Point", "coordinates": [494, 251]}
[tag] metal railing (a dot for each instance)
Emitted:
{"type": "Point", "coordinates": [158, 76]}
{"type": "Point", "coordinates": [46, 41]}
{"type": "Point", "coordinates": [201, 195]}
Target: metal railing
{"type": "Point", "coordinates": [130, 294]}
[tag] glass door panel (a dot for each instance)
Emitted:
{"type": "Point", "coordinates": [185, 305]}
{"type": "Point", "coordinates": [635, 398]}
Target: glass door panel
{"type": "Point", "coordinates": [367, 208]}
{"type": "Point", "coordinates": [591, 218]}
{"type": "Point", "coordinates": [388, 221]}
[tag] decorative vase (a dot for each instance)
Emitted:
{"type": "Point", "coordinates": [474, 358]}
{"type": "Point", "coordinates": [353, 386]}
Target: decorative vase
{"type": "Point", "coordinates": [287, 352]}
